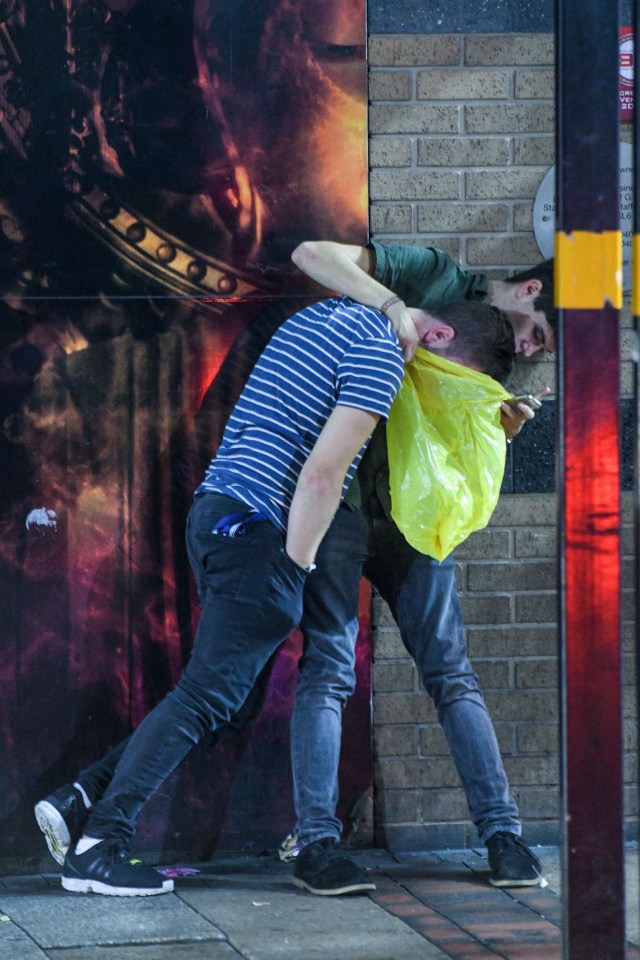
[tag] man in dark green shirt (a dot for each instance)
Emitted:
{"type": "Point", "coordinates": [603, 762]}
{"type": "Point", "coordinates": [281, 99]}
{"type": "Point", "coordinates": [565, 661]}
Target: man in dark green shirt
{"type": "Point", "coordinates": [385, 276]}
{"type": "Point", "coordinates": [420, 592]}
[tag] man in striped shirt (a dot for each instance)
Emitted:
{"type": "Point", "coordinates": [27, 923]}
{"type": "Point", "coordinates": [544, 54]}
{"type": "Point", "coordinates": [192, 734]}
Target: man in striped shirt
{"type": "Point", "coordinates": [288, 454]}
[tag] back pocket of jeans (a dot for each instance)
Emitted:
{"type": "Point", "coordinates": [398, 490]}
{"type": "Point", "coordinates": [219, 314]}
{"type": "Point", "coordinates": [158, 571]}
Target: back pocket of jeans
{"type": "Point", "coordinates": [239, 568]}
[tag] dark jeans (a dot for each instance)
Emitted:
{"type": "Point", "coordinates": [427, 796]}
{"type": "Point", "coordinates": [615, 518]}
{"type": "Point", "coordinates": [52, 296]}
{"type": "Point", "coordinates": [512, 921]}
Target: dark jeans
{"type": "Point", "coordinates": [251, 594]}
{"type": "Point", "coordinates": [423, 599]}
{"type": "Point", "coordinates": [96, 778]}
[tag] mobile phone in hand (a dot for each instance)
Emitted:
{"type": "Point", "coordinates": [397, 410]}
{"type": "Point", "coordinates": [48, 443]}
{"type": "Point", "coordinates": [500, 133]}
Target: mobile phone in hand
{"type": "Point", "coordinates": [527, 398]}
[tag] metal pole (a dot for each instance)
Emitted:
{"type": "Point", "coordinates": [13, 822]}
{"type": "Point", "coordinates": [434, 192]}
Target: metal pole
{"type": "Point", "coordinates": [635, 286]}
{"type": "Point", "coordinates": [589, 295]}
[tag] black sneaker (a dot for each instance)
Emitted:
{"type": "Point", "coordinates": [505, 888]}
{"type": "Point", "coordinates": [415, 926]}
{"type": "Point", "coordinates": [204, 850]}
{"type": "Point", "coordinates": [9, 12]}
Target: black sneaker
{"type": "Point", "coordinates": [512, 863]}
{"type": "Point", "coordinates": [323, 868]}
{"type": "Point", "coordinates": [61, 816]}
{"type": "Point", "coordinates": [109, 868]}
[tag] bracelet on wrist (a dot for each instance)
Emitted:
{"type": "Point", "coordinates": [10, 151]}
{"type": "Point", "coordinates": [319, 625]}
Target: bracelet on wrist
{"type": "Point", "coordinates": [389, 303]}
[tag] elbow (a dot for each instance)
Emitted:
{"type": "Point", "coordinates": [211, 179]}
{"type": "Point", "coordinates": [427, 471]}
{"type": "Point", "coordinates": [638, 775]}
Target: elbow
{"type": "Point", "coordinates": [304, 254]}
{"type": "Point", "coordinates": [322, 484]}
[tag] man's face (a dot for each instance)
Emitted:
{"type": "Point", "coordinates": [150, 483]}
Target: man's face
{"type": "Point", "coordinates": [531, 329]}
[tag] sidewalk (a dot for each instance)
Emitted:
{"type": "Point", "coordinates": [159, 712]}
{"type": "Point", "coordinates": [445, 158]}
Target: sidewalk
{"type": "Point", "coordinates": [426, 907]}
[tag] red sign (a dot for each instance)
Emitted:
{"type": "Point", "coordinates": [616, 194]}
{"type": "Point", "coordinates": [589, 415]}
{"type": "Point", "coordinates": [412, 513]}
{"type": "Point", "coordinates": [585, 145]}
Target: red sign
{"type": "Point", "coordinates": [626, 73]}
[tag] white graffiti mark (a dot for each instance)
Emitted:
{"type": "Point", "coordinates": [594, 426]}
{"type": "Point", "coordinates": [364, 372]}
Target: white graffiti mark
{"type": "Point", "coordinates": [42, 517]}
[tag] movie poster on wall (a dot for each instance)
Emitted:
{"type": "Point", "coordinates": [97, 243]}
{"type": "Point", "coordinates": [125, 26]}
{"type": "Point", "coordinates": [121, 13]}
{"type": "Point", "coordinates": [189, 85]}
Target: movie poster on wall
{"type": "Point", "coordinates": [159, 161]}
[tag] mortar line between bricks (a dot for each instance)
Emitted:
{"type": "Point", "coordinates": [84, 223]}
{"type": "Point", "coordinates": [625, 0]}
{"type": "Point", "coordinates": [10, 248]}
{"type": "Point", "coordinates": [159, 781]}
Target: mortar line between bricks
{"type": "Point", "coordinates": [489, 952]}
{"type": "Point", "coordinates": [521, 897]}
{"type": "Point", "coordinates": [513, 894]}
{"type": "Point", "coordinates": [517, 897]}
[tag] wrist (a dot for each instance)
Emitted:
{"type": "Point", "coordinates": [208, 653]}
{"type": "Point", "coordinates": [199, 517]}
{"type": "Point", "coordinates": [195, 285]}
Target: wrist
{"type": "Point", "coordinates": [390, 302]}
{"type": "Point", "coordinates": [307, 567]}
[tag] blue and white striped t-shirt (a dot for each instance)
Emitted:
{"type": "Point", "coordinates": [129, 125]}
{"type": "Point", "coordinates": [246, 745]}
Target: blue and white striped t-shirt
{"type": "Point", "coordinates": [335, 352]}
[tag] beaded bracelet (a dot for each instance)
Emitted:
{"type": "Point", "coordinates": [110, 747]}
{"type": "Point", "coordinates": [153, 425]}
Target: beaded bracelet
{"type": "Point", "coordinates": [389, 303]}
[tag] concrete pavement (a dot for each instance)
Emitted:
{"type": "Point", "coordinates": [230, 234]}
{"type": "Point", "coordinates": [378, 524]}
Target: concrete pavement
{"type": "Point", "coordinates": [429, 906]}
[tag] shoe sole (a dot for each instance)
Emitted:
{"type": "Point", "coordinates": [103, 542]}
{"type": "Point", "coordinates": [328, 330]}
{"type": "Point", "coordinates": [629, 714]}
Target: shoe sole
{"type": "Point", "coordinates": [82, 885]}
{"type": "Point", "coordinates": [334, 891]}
{"type": "Point", "coordinates": [54, 828]}
{"type": "Point", "coordinates": [535, 882]}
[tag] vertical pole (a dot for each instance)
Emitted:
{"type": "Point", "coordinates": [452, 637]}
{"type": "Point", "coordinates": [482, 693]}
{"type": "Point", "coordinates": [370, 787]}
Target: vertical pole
{"type": "Point", "coordinates": [589, 295]}
{"type": "Point", "coordinates": [635, 305]}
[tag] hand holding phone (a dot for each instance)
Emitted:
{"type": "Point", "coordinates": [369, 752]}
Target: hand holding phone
{"type": "Point", "coordinates": [518, 409]}
{"type": "Point", "coordinates": [527, 398]}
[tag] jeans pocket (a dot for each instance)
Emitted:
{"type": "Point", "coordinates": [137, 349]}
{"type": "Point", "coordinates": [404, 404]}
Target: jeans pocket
{"type": "Point", "coordinates": [226, 565]}
{"type": "Point", "coordinates": [287, 560]}
{"type": "Point", "coordinates": [241, 568]}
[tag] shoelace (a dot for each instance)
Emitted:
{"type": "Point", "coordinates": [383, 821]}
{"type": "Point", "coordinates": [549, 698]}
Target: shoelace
{"type": "Point", "coordinates": [117, 849]}
{"type": "Point", "coordinates": [504, 840]}
{"type": "Point", "coordinates": [332, 849]}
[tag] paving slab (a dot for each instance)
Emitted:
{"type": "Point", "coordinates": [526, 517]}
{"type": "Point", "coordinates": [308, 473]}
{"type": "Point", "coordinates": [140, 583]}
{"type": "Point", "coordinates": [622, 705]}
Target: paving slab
{"type": "Point", "coordinates": [15, 944]}
{"type": "Point", "coordinates": [269, 919]}
{"type": "Point", "coordinates": [55, 918]}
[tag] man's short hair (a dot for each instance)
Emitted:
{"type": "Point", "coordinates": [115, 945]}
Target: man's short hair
{"type": "Point", "coordinates": [544, 301]}
{"type": "Point", "coordinates": [484, 336]}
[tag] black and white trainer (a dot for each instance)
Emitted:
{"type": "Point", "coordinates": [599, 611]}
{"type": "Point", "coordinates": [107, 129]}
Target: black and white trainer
{"type": "Point", "coordinates": [61, 816]}
{"type": "Point", "coordinates": [109, 868]}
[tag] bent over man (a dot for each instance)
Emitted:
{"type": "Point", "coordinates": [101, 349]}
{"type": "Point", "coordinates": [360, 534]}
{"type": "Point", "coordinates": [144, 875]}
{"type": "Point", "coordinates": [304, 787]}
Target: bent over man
{"type": "Point", "coordinates": [288, 454]}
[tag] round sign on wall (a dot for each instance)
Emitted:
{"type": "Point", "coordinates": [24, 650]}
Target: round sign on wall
{"type": "Point", "coordinates": [544, 212]}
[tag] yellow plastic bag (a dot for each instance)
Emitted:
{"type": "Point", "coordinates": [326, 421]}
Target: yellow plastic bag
{"type": "Point", "coordinates": [446, 451]}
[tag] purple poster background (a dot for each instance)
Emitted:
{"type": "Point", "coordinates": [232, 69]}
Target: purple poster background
{"type": "Point", "coordinates": [158, 163]}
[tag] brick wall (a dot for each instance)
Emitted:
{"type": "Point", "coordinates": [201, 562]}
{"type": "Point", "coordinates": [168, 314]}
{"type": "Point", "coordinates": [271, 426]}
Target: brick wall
{"type": "Point", "coordinates": [461, 134]}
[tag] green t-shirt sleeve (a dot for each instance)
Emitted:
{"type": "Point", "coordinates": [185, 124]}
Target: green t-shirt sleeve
{"type": "Point", "coordinates": [425, 277]}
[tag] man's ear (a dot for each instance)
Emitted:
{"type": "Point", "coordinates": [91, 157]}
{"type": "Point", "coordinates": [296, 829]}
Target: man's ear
{"type": "Point", "coordinates": [439, 336]}
{"type": "Point", "coordinates": [529, 289]}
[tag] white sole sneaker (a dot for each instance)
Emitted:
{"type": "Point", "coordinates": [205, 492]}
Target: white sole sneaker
{"type": "Point", "coordinates": [356, 887]}
{"type": "Point", "coordinates": [94, 886]}
{"type": "Point", "coordinates": [52, 824]}
{"type": "Point", "coordinates": [532, 882]}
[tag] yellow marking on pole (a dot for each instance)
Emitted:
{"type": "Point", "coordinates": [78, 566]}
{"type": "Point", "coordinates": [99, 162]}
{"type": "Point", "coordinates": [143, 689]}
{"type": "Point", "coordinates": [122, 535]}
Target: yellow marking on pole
{"type": "Point", "coordinates": [588, 270]}
{"type": "Point", "coordinates": [635, 275]}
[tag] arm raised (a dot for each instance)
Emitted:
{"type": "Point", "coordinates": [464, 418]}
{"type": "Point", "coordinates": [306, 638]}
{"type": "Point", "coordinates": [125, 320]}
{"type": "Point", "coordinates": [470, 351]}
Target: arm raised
{"type": "Point", "coordinates": [348, 268]}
